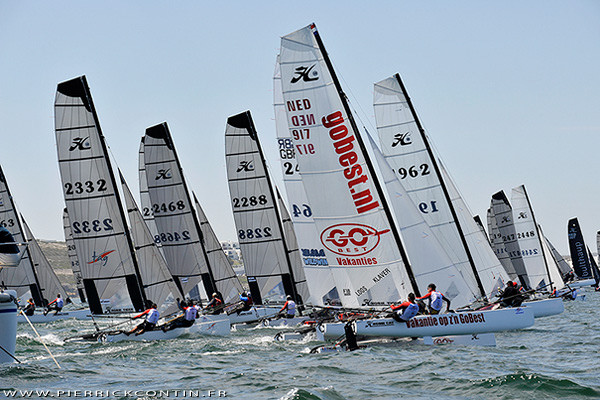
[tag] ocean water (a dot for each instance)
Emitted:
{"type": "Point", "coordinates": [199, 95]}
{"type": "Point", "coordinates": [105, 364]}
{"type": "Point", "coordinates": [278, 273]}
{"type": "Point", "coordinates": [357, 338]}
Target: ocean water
{"type": "Point", "coordinates": [557, 358]}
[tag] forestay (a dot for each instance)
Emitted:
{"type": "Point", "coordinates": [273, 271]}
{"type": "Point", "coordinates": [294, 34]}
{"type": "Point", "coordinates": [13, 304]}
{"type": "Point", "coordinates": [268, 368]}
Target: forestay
{"type": "Point", "coordinates": [408, 151]}
{"type": "Point", "coordinates": [257, 220]}
{"type": "Point", "coordinates": [225, 278]}
{"type": "Point", "coordinates": [179, 230]}
{"type": "Point", "coordinates": [316, 266]}
{"type": "Point", "coordinates": [72, 253]}
{"type": "Point", "coordinates": [354, 224]}
{"type": "Point", "coordinates": [102, 241]}
{"type": "Point", "coordinates": [21, 278]}
{"type": "Point", "coordinates": [159, 284]}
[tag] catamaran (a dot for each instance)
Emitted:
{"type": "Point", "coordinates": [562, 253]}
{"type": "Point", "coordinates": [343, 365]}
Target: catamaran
{"type": "Point", "coordinates": [369, 263]}
{"type": "Point", "coordinates": [271, 260]}
{"type": "Point", "coordinates": [579, 257]}
{"type": "Point", "coordinates": [113, 278]}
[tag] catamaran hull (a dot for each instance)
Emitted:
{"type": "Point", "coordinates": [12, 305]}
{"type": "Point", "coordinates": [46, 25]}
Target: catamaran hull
{"type": "Point", "coordinates": [464, 323]}
{"type": "Point", "coordinates": [39, 318]}
{"type": "Point", "coordinates": [582, 283]}
{"type": "Point", "coordinates": [205, 325]}
{"type": "Point", "coordinates": [8, 325]}
{"type": "Point", "coordinates": [253, 315]}
{"type": "Point", "coordinates": [546, 307]}
{"type": "Point", "coordinates": [282, 322]}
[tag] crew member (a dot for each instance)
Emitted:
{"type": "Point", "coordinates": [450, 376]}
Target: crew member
{"type": "Point", "coordinates": [435, 300]}
{"type": "Point", "coordinates": [289, 307]}
{"type": "Point", "coordinates": [190, 313]}
{"type": "Point", "coordinates": [405, 311]}
{"type": "Point", "coordinates": [55, 305]}
{"type": "Point", "coordinates": [246, 298]}
{"type": "Point", "coordinates": [511, 296]}
{"type": "Point", "coordinates": [214, 306]}
{"type": "Point", "coordinates": [152, 316]}
{"type": "Point", "coordinates": [29, 308]}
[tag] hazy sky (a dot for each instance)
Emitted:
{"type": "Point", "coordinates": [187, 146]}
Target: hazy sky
{"type": "Point", "coordinates": [508, 91]}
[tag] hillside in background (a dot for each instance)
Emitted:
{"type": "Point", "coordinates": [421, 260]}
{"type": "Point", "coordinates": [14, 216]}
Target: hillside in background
{"type": "Point", "coordinates": [56, 253]}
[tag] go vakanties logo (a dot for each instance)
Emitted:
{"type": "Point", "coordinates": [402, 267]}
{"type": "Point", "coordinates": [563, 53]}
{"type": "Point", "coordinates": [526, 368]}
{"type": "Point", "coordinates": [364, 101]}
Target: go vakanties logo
{"type": "Point", "coordinates": [351, 239]}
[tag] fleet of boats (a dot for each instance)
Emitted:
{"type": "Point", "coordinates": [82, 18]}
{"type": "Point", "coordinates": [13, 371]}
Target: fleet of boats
{"type": "Point", "coordinates": [365, 226]}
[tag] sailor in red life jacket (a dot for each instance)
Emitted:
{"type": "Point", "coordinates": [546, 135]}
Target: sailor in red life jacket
{"type": "Point", "coordinates": [152, 316]}
{"type": "Point", "coordinates": [405, 311]}
{"type": "Point", "coordinates": [289, 307]}
{"type": "Point", "coordinates": [214, 305]}
{"type": "Point", "coordinates": [55, 305]}
{"type": "Point", "coordinates": [435, 300]}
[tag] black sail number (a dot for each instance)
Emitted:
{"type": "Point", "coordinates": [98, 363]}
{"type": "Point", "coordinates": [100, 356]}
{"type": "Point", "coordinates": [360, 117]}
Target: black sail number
{"type": "Point", "coordinates": [414, 171]}
{"type": "Point", "coordinates": [95, 225]}
{"type": "Point", "coordinates": [87, 187]}
{"type": "Point", "coordinates": [254, 233]}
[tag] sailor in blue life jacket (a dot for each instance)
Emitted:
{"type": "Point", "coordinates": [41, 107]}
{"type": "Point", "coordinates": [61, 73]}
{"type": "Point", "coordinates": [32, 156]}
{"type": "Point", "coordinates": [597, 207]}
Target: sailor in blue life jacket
{"type": "Point", "coordinates": [435, 300]}
{"type": "Point", "coordinates": [190, 313]}
{"type": "Point", "coordinates": [289, 307]}
{"type": "Point", "coordinates": [55, 305]}
{"type": "Point", "coordinates": [29, 309]}
{"type": "Point", "coordinates": [246, 298]}
{"type": "Point", "coordinates": [152, 316]}
{"type": "Point", "coordinates": [405, 311]}
{"type": "Point", "coordinates": [214, 306]}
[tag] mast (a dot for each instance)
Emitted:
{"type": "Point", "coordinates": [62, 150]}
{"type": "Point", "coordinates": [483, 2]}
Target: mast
{"type": "Point", "coordinates": [443, 186]}
{"type": "Point", "coordinates": [368, 162]}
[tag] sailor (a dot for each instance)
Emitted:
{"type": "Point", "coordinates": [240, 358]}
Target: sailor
{"type": "Point", "coordinates": [289, 307]}
{"type": "Point", "coordinates": [435, 300]}
{"type": "Point", "coordinates": [29, 308]}
{"type": "Point", "coordinates": [510, 296]}
{"type": "Point", "coordinates": [405, 311]}
{"type": "Point", "coordinates": [7, 237]}
{"type": "Point", "coordinates": [247, 300]}
{"type": "Point", "coordinates": [190, 313]}
{"type": "Point", "coordinates": [214, 306]}
{"type": "Point", "coordinates": [55, 305]}
{"type": "Point", "coordinates": [152, 316]}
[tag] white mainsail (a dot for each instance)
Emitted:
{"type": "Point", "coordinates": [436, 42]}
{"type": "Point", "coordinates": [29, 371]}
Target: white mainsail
{"type": "Point", "coordinates": [178, 227]}
{"type": "Point", "coordinates": [159, 284]}
{"type": "Point", "coordinates": [495, 239]}
{"type": "Point", "coordinates": [110, 273]}
{"type": "Point", "coordinates": [430, 261]}
{"type": "Point", "coordinates": [50, 285]}
{"type": "Point", "coordinates": [72, 253]}
{"type": "Point", "coordinates": [408, 151]}
{"type": "Point", "coordinates": [528, 236]}
{"type": "Point", "coordinates": [316, 266]}
{"type": "Point", "coordinates": [355, 225]}
{"type": "Point", "coordinates": [21, 278]}
{"type": "Point", "coordinates": [257, 220]}
{"type": "Point", "coordinates": [225, 278]}
{"type": "Point", "coordinates": [503, 215]}
{"type": "Point", "coordinates": [554, 271]}
{"type": "Point", "coordinates": [145, 202]}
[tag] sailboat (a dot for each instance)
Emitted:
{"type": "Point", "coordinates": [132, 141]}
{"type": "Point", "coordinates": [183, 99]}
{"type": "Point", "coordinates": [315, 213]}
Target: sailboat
{"type": "Point", "coordinates": [272, 266]}
{"type": "Point", "coordinates": [353, 216]}
{"type": "Point", "coordinates": [579, 256]}
{"type": "Point", "coordinates": [114, 280]}
{"type": "Point", "coordinates": [179, 231]}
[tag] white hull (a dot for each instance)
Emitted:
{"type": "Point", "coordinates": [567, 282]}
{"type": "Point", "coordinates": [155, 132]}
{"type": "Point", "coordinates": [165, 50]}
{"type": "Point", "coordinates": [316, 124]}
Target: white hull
{"type": "Point", "coordinates": [40, 318]}
{"type": "Point", "coordinates": [545, 307]}
{"type": "Point", "coordinates": [581, 283]}
{"type": "Point", "coordinates": [8, 325]}
{"type": "Point", "coordinates": [215, 325]}
{"type": "Point", "coordinates": [464, 323]}
{"type": "Point", "coordinates": [253, 315]}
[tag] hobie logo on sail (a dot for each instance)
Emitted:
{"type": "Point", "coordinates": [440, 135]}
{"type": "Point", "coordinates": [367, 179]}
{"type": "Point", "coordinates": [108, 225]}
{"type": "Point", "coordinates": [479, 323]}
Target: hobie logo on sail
{"type": "Point", "coordinates": [163, 174]}
{"type": "Point", "coordinates": [522, 215]}
{"type": "Point", "coordinates": [351, 239]}
{"type": "Point", "coordinates": [402, 139]}
{"type": "Point", "coordinates": [80, 144]}
{"type": "Point", "coordinates": [101, 258]}
{"type": "Point", "coordinates": [307, 74]}
{"type": "Point", "coordinates": [245, 166]}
